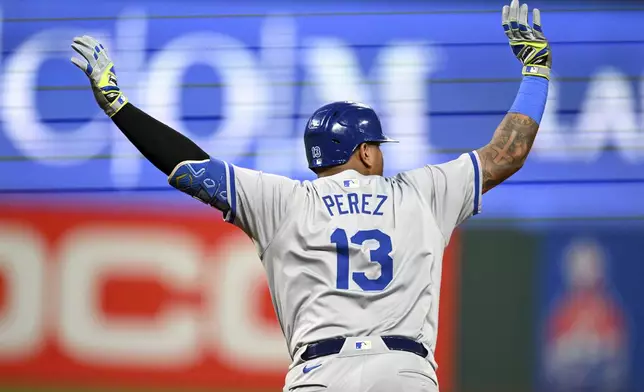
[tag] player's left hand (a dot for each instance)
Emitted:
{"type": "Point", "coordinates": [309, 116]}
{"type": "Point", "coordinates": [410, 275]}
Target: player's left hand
{"type": "Point", "coordinates": [528, 43]}
{"type": "Point", "coordinates": [99, 68]}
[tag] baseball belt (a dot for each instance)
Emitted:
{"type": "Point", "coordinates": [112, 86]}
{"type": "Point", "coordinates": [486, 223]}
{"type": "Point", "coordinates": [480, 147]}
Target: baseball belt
{"type": "Point", "coordinates": [334, 346]}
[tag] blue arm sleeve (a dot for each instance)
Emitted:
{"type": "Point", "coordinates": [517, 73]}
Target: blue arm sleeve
{"type": "Point", "coordinates": [210, 181]}
{"type": "Point", "coordinates": [531, 98]}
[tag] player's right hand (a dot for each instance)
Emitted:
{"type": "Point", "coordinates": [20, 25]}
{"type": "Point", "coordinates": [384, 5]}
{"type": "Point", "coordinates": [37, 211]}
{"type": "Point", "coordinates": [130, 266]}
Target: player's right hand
{"type": "Point", "coordinates": [99, 68]}
{"type": "Point", "coordinates": [529, 44]}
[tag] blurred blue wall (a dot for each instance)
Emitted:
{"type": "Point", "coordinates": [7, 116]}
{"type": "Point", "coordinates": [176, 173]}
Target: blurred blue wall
{"type": "Point", "coordinates": [242, 77]}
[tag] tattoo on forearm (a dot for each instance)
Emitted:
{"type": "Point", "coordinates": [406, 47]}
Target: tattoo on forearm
{"type": "Point", "coordinates": [507, 151]}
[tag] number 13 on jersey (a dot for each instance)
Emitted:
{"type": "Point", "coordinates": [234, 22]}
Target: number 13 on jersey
{"type": "Point", "coordinates": [378, 255]}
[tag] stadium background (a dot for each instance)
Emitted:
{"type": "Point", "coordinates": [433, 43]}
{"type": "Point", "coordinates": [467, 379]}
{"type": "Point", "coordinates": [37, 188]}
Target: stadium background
{"type": "Point", "coordinates": [110, 280]}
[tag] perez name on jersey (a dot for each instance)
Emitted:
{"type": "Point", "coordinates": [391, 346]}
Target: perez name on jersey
{"type": "Point", "coordinates": [354, 203]}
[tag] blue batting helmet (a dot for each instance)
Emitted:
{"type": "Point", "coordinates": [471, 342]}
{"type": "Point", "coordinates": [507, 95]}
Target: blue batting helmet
{"type": "Point", "coordinates": [335, 130]}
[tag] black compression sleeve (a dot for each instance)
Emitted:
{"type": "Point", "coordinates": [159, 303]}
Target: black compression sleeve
{"type": "Point", "coordinates": [164, 147]}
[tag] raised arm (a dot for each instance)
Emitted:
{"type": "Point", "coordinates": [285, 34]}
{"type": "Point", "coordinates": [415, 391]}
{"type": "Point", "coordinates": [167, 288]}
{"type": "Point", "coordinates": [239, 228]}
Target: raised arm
{"type": "Point", "coordinates": [164, 147]}
{"type": "Point", "coordinates": [513, 139]}
{"type": "Point", "coordinates": [254, 201]}
{"type": "Point", "coordinates": [189, 169]}
{"type": "Point", "coordinates": [508, 150]}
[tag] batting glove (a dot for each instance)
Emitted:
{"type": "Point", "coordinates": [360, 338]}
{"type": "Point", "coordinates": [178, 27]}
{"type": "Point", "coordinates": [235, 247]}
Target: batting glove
{"type": "Point", "coordinates": [99, 69]}
{"type": "Point", "coordinates": [529, 44]}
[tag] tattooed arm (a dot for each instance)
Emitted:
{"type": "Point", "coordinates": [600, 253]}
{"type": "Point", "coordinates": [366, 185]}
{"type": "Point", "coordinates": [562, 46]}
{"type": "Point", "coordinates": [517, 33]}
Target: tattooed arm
{"type": "Point", "coordinates": [508, 150]}
{"type": "Point", "coordinates": [513, 139]}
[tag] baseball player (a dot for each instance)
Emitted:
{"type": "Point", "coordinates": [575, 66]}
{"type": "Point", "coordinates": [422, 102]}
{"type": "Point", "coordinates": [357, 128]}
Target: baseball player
{"type": "Point", "coordinates": [353, 259]}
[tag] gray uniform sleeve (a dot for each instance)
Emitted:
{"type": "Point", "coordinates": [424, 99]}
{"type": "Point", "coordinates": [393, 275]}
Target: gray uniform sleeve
{"type": "Point", "coordinates": [452, 190]}
{"type": "Point", "coordinates": [259, 203]}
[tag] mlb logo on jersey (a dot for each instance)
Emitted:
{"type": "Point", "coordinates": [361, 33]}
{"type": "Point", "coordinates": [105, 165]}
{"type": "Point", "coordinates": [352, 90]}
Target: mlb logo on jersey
{"type": "Point", "coordinates": [351, 183]}
{"type": "Point", "coordinates": [364, 345]}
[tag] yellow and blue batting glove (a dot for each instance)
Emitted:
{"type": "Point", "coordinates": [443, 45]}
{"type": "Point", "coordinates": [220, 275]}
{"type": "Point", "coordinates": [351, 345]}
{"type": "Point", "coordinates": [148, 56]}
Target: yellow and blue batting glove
{"type": "Point", "coordinates": [99, 68]}
{"type": "Point", "coordinates": [529, 44]}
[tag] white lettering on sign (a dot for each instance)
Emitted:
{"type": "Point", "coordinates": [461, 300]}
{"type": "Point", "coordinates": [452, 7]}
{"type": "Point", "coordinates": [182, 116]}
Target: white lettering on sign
{"type": "Point", "coordinates": [87, 256]}
{"type": "Point", "coordinates": [245, 93]}
{"type": "Point", "coordinates": [22, 123]}
{"type": "Point", "coordinates": [279, 150]}
{"type": "Point", "coordinates": [258, 94]}
{"type": "Point", "coordinates": [608, 118]}
{"type": "Point", "coordinates": [245, 340]}
{"type": "Point", "coordinates": [22, 265]}
{"type": "Point", "coordinates": [63, 301]}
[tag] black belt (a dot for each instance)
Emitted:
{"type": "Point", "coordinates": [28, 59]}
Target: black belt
{"type": "Point", "coordinates": [333, 346]}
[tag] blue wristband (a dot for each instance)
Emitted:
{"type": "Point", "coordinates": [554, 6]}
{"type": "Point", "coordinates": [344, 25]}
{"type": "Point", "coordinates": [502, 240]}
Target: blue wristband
{"type": "Point", "coordinates": [531, 98]}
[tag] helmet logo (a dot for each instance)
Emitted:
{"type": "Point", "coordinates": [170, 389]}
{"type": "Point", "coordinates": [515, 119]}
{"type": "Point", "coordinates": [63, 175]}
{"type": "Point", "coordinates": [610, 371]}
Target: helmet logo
{"type": "Point", "coordinates": [317, 118]}
{"type": "Point", "coordinates": [316, 152]}
{"type": "Point", "coordinates": [315, 123]}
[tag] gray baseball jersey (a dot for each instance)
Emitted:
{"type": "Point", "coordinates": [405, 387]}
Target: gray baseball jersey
{"type": "Point", "coordinates": [351, 255]}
